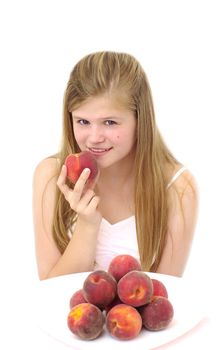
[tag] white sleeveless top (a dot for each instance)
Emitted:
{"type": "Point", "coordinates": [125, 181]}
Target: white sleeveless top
{"type": "Point", "coordinates": [119, 238]}
{"type": "Point", "coordinates": [115, 239]}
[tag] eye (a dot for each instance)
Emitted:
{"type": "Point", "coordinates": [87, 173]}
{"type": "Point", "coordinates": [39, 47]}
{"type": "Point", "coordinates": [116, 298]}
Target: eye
{"type": "Point", "coordinates": [82, 122]}
{"type": "Point", "coordinates": [110, 122]}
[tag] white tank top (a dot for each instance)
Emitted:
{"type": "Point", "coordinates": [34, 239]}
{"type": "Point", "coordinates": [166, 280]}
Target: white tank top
{"type": "Point", "coordinates": [120, 238]}
{"type": "Point", "coordinates": [115, 239]}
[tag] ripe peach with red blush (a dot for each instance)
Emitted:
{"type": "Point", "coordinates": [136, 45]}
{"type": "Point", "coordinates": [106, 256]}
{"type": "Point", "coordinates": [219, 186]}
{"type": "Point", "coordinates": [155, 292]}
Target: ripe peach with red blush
{"type": "Point", "coordinates": [158, 314]}
{"type": "Point", "coordinates": [159, 288]}
{"type": "Point", "coordinates": [121, 264]}
{"type": "Point", "coordinates": [123, 322]}
{"type": "Point", "coordinates": [135, 288]}
{"type": "Point", "coordinates": [124, 297]}
{"type": "Point", "coordinates": [77, 298]}
{"type": "Point", "coordinates": [114, 302]}
{"type": "Point", "coordinates": [100, 288]}
{"type": "Point", "coordinates": [77, 162]}
{"type": "Point", "coordinates": [86, 321]}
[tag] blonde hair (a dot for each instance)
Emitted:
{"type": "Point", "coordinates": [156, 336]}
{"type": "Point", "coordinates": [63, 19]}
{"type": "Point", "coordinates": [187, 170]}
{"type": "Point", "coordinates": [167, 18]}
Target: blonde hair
{"type": "Point", "coordinates": [120, 74]}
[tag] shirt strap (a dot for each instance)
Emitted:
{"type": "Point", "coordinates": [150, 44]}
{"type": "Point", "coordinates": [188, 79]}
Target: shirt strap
{"type": "Point", "coordinates": [178, 173]}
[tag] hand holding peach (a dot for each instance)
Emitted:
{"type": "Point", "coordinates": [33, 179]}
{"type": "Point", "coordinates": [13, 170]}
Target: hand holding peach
{"type": "Point", "coordinates": [77, 162]}
{"type": "Point", "coordinates": [81, 198]}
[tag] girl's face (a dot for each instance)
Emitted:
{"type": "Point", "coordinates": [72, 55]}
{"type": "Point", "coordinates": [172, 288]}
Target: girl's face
{"type": "Point", "coordinates": [105, 130]}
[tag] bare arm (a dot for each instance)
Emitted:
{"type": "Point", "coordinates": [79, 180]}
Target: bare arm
{"type": "Point", "coordinates": [181, 225]}
{"type": "Point", "coordinates": [80, 252]}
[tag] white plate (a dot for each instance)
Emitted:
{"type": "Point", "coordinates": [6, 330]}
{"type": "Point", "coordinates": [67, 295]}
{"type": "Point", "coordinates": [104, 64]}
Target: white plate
{"type": "Point", "coordinates": [53, 307]}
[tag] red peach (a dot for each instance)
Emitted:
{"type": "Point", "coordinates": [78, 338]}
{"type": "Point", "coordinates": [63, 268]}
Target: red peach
{"type": "Point", "coordinates": [157, 314]}
{"type": "Point", "coordinates": [77, 162]}
{"type": "Point", "coordinates": [135, 288]}
{"type": "Point", "coordinates": [123, 322]}
{"type": "Point", "coordinates": [159, 288]}
{"type": "Point", "coordinates": [122, 264]}
{"type": "Point", "coordinates": [86, 321]}
{"type": "Point", "coordinates": [114, 302]}
{"type": "Point", "coordinates": [77, 298]}
{"type": "Point", "coordinates": [100, 288]}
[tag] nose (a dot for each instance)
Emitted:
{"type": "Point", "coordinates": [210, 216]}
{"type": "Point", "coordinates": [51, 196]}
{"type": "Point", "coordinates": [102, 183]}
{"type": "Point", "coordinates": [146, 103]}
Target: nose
{"type": "Point", "coordinates": [96, 134]}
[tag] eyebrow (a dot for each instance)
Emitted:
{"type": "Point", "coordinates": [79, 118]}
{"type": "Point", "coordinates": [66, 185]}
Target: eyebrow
{"type": "Point", "coordinates": [100, 118]}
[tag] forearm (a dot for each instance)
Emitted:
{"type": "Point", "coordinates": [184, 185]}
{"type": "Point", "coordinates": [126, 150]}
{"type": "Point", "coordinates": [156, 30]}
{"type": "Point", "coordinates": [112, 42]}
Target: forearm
{"type": "Point", "coordinates": [79, 255]}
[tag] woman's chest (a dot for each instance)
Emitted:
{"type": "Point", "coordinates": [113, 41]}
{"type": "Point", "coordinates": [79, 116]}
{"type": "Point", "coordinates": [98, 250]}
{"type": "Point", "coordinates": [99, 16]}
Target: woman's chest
{"type": "Point", "coordinates": [116, 208]}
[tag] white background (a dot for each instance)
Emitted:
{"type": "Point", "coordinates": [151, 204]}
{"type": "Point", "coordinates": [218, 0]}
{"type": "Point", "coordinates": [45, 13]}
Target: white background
{"type": "Point", "coordinates": [179, 44]}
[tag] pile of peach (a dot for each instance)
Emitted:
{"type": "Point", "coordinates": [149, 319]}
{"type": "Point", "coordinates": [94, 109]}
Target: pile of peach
{"type": "Point", "coordinates": [124, 299]}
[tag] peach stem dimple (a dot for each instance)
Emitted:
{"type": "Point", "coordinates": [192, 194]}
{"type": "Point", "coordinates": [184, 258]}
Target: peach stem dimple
{"type": "Point", "coordinates": [95, 279]}
{"type": "Point", "coordinates": [113, 324]}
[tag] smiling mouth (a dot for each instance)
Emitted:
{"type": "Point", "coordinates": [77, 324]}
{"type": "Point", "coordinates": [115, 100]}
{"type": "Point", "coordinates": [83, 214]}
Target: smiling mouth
{"type": "Point", "coordinates": [99, 150]}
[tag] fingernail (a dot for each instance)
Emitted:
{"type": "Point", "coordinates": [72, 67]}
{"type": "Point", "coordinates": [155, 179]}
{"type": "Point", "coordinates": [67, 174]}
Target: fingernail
{"type": "Point", "coordinates": [87, 170]}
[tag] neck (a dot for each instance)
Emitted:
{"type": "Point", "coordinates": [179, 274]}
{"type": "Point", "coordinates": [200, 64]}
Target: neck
{"type": "Point", "coordinates": [118, 175]}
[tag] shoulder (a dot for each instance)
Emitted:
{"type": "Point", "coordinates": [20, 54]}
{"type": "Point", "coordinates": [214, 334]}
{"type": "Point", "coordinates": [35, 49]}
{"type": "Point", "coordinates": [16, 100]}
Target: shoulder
{"type": "Point", "coordinates": [183, 196]}
{"type": "Point", "coordinates": [45, 171]}
{"type": "Point", "coordinates": [181, 222]}
{"type": "Point", "coordinates": [182, 181]}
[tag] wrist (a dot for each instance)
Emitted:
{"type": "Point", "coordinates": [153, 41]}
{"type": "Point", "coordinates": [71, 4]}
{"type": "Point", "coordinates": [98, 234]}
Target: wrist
{"type": "Point", "coordinates": [87, 226]}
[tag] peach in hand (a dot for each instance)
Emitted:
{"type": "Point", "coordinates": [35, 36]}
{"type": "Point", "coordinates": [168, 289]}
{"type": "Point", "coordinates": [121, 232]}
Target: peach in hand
{"type": "Point", "coordinates": [123, 322]}
{"type": "Point", "coordinates": [77, 298]}
{"type": "Point", "coordinates": [135, 288]}
{"type": "Point", "coordinates": [121, 264]}
{"type": "Point", "coordinates": [86, 321]}
{"type": "Point", "coordinates": [77, 162]}
{"type": "Point", "coordinates": [158, 314]}
{"type": "Point", "coordinates": [159, 288]}
{"type": "Point", "coordinates": [99, 288]}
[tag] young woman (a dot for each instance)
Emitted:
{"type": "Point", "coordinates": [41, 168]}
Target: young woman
{"type": "Point", "coordinates": [143, 203]}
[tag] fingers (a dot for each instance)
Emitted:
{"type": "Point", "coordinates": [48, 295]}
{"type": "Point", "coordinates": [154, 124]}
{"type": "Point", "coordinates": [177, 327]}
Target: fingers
{"type": "Point", "coordinates": [81, 198]}
{"type": "Point", "coordinates": [93, 205]}
{"type": "Point", "coordinates": [80, 183]}
{"type": "Point", "coordinates": [78, 197]}
{"type": "Point", "coordinates": [88, 202]}
{"type": "Point", "coordinates": [92, 183]}
{"type": "Point", "coordinates": [61, 181]}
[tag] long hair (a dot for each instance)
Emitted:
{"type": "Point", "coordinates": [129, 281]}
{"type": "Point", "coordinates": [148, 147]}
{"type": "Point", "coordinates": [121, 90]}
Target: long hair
{"type": "Point", "coordinates": [121, 75]}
